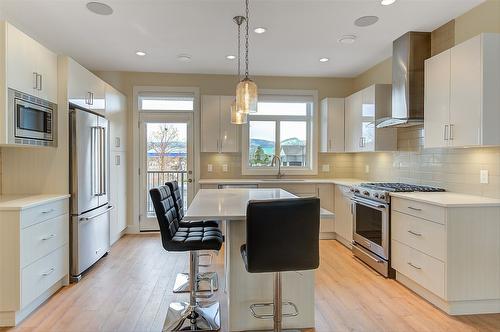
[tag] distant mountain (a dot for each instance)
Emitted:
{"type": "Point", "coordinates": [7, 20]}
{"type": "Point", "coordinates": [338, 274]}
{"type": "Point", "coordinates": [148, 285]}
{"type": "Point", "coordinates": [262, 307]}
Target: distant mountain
{"type": "Point", "coordinates": [293, 141]}
{"type": "Point", "coordinates": [261, 142]}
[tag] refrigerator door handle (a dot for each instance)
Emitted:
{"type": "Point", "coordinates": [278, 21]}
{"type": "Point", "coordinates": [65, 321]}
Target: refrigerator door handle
{"type": "Point", "coordinates": [95, 156]}
{"type": "Point", "coordinates": [110, 207]}
{"type": "Point", "coordinates": [103, 161]}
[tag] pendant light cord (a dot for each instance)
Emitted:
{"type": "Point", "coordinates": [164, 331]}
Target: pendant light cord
{"type": "Point", "coordinates": [239, 52]}
{"type": "Point", "coordinates": [246, 41]}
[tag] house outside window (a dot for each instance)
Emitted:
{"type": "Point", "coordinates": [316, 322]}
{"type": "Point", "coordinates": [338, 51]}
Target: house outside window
{"type": "Point", "coordinates": [285, 126]}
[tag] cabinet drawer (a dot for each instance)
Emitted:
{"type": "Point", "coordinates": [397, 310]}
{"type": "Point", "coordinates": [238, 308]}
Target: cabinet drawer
{"type": "Point", "coordinates": [426, 236]}
{"type": "Point", "coordinates": [419, 209]}
{"type": "Point", "coordinates": [43, 212]}
{"type": "Point", "coordinates": [40, 239]}
{"type": "Point", "coordinates": [428, 272]}
{"type": "Point", "coordinates": [42, 274]}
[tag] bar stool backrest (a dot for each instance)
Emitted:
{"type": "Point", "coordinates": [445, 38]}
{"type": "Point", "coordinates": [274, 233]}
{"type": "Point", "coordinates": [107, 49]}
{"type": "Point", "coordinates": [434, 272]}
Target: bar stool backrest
{"type": "Point", "coordinates": [166, 213]}
{"type": "Point", "coordinates": [176, 193]}
{"type": "Point", "coordinates": [283, 235]}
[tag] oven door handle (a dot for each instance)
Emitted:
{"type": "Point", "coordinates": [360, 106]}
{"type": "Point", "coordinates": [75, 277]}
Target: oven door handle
{"type": "Point", "coordinates": [369, 203]}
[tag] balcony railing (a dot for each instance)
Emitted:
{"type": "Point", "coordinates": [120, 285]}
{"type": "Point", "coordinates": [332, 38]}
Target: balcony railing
{"type": "Point", "coordinates": [158, 178]}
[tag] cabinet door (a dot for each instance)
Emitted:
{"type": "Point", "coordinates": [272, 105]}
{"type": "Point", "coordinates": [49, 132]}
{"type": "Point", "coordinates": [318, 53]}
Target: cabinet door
{"type": "Point", "coordinates": [118, 194]}
{"type": "Point", "coordinates": [47, 68]}
{"type": "Point", "coordinates": [343, 213]}
{"type": "Point", "coordinates": [355, 122]}
{"type": "Point", "coordinates": [116, 113]}
{"type": "Point", "coordinates": [229, 133]}
{"type": "Point", "coordinates": [326, 195]}
{"type": "Point", "coordinates": [437, 100]}
{"type": "Point", "coordinates": [21, 61]}
{"type": "Point", "coordinates": [466, 93]}
{"type": "Point", "coordinates": [332, 125]}
{"type": "Point", "coordinates": [210, 109]}
{"type": "Point", "coordinates": [349, 126]}
{"type": "Point", "coordinates": [98, 97]}
{"type": "Point", "coordinates": [324, 132]}
{"type": "Point", "coordinates": [367, 126]}
{"type": "Point", "coordinates": [79, 84]}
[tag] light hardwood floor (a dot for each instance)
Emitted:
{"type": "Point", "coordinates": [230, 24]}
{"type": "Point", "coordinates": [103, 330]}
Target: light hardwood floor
{"type": "Point", "coordinates": [130, 290]}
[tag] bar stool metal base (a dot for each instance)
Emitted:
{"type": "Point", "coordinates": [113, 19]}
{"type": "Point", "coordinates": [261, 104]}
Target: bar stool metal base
{"type": "Point", "coordinates": [182, 316]}
{"type": "Point", "coordinates": [181, 284]}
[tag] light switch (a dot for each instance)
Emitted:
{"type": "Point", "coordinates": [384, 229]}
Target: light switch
{"type": "Point", "coordinates": [225, 168]}
{"type": "Point", "coordinates": [325, 168]}
{"type": "Point", "coordinates": [483, 176]}
{"type": "Point", "coordinates": [210, 168]}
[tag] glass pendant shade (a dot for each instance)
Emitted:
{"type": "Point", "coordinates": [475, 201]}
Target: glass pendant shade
{"type": "Point", "coordinates": [236, 116]}
{"type": "Point", "coordinates": [246, 96]}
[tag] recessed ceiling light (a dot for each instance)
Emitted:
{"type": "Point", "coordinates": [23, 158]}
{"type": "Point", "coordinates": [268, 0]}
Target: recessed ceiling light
{"type": "Point", "coordinates": [347, 39]}
{"type": "Point", "coordinates": [184, 58]}
{"type": "Point", "coordinates": [99, 8]}
{"type": "Point", "coordinates": [365, 21]}
{"type": "Point", "coordinates": [260, 30]}
{"type": "Point", "coordinates": [140, 53]}
{"type": "Point", "coordinates": [230, 57]}
{"type": "Point", "coordinates": [387, 2]}
{"type": "Point", "coordinates": [324, 60]}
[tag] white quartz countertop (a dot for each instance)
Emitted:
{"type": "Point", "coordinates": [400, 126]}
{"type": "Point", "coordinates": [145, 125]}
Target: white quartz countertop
{"type": "Point", "coordinates": [20, 202]}
{"type": "Point", "coordinates": [231, 204]}
{"type": "Point", "coordinates": [448, 199]}
{"type": "Point", "coordinates": [339, 181]}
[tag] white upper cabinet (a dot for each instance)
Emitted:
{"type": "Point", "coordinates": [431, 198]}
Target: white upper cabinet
{"type": "Point", "coordinates": [85, 89]}
{"type": "Point", "coordinates": [332, 125]}
{"type": "Point", "coordinates": [30, 67]}
{"type": "Point", "coordinates": [362, 110]}
{"type": "Point", "coordinates": [218, 134]}
{"type": "Point", "coordinates": [437, 100]}
{"type": "Point", "coordinates": [116, 113]}
{"type": "Point", "coordinates": [461, 94]}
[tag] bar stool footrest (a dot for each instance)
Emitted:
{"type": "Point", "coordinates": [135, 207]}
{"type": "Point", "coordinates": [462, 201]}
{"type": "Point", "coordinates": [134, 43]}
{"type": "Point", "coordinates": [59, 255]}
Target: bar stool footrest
{"type": "Point", "coordinates": [294, 313]}
{"type": "Point", "coordinates": [181, 284]}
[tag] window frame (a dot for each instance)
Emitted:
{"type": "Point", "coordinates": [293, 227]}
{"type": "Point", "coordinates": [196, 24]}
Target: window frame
{"type": "Point", "coordinates": [155, 95]}
{"type": "Point", "coordinates": [311, 120]}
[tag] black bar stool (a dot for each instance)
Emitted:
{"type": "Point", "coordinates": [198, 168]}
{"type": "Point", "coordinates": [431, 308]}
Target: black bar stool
{"type": "Point", "coordinates": [282, 235]}
{"type": "Point", "coordinates": [192, 315]}
{"type": "Point", "coordinates": [207, 281]}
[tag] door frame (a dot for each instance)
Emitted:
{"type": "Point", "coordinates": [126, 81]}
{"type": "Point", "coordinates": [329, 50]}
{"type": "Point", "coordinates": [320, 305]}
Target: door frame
{"type": "Point", "coordinates": [166, 117]}
{"type": "Point", "coordinates": [133, 227]}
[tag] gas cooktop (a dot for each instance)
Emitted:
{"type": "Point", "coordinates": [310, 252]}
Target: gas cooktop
{"type": "Point", "coordinates": [400, 187]}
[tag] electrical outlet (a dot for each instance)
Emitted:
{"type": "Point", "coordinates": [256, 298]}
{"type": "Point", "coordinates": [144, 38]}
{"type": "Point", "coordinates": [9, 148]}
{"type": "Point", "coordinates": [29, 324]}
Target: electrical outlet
{"type": "Point", "coordinates": [210, 168]}
{"type": "Point", "coordinates": [367, 168]}
{"type": "Point", "coordinates": [483, 176]}
{"type": "Point", "coordinates": [325, 168]}
{"type": "Point", "coordinates": [225, 168]}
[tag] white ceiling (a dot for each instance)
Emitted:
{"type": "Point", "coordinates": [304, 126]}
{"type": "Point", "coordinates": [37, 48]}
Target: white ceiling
{"type": "Point", "coordinates": [299, 33]}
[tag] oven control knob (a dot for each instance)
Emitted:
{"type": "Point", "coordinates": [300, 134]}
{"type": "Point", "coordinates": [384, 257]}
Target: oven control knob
{"type": "Point", "coordinates": [376, 195]}
{"type": "Point", "coordinates": [351, 190]}
{"type": "Point", "coordinates": [366, 193]}
{"type": "Point", "coordinates": [356, 191]}
{"type": "Point", "coordinates": [382, 196]}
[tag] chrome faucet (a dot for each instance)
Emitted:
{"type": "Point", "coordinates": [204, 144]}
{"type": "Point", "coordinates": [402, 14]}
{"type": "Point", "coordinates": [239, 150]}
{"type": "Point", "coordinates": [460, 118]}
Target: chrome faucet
{"type": "Point", "coordinates": [273, 163]}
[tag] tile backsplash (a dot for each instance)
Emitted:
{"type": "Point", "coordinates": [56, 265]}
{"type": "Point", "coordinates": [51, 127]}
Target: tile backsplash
{"type": "Point", "coordinates": [456, 170]}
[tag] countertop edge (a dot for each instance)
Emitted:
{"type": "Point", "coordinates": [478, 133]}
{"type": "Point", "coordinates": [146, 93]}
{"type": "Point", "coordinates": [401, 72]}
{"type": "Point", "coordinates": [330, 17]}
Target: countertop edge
{"type": "Point", "coordinates": [33, 201]}
{"type": "Point", "coordinates": [429, 200]}
{"type": "Point", "coordinates": [339, 181]}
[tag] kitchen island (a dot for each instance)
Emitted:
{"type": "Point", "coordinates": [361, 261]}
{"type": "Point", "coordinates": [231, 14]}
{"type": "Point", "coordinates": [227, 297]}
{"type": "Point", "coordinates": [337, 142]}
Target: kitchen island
{"type": "Point", "coordinates": [243, 288]}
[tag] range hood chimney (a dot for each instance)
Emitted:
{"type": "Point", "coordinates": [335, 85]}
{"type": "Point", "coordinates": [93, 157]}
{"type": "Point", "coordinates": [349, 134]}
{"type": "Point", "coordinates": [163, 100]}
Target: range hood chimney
{"type": "Point", "coordinates": [408, 55]}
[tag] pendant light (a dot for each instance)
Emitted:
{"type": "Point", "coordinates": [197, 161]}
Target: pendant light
{"type": "Point", "coordinates": [238, 117]}
{"type": "Point", "coordinates": [246, 90]}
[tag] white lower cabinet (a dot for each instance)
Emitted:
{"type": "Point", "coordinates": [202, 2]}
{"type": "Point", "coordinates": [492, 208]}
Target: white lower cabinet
{"type": "Point", "coordinates": [34, 258]}
{"type": "Point", "coordinates": [343, 215]}
{"type": "Point", "coordinates": [450, 255]}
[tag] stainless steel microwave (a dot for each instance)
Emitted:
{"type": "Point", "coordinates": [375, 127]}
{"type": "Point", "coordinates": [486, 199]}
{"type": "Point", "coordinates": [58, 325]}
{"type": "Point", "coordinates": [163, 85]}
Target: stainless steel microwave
{"type": "Point", "coordinates": [32, 120]}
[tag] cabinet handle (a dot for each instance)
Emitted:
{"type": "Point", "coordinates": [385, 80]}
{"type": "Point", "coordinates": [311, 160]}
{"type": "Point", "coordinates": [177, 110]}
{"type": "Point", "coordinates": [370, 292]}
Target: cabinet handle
{"type": "Point", "coordinates": [51, 236]}
{"type": "Point", "coordinates": [360, 142]}
{"type": "Point", "coordinates": [92, 98]}
{"type": "Point", "coordinates": [414, 266]}
{"type": "Point", "coordinates": [414, 233]}
{"type": "Point", "coordinates": [48, 211]}
{"type": "Point", "coordinates": [48, 272]}
{"type": "Point", "coordinates": [451, 131]}
{"type": "Point", "coordinates": [41, 80]}
{"type": "Point", "coordinates": [35, 81]}
{"type": "Point", "coordinates": [445, 132]}
{"type": "Point", "coordinates": [414, 209]}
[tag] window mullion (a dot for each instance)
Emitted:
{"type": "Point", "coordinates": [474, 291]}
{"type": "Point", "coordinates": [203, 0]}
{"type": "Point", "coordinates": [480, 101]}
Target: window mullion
{"type": "Point", "coordinates": [277, 150]}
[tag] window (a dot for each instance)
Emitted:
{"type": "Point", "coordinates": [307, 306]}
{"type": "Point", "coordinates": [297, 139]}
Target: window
{"type": "Point", "coordinates": [168, 101]}
{"type": "Point", "coordinates": [283, 127]}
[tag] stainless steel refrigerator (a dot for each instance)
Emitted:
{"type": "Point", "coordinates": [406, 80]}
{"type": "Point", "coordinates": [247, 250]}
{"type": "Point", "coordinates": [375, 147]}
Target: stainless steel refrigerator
{"type": "Point", "coordinates": [89, 169]}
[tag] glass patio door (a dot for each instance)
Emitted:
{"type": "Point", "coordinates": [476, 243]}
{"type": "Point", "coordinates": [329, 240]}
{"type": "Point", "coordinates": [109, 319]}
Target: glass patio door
{"type": "Point", "coordinates": [167, 155]}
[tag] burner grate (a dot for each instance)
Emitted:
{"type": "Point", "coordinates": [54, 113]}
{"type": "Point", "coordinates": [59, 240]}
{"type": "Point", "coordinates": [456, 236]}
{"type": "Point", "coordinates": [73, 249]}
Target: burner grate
{"type": "Point", "coordinates": [400, 187]}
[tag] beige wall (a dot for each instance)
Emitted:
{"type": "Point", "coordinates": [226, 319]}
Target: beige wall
{"type": "Point", "coordinates": [381, 73]}
{"type": "Point", "coordinates": [483, 18]}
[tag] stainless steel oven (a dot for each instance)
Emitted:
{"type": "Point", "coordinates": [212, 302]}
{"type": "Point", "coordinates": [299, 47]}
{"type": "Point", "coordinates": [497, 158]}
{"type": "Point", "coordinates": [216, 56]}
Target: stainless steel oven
{"type": "Point", "coordinates": [32, 121]}
{"type": "Point", "coordinates": [371, 233]}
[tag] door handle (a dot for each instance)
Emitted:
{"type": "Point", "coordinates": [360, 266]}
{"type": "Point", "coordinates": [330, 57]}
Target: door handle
{"type": "Point", "coordinates": [39, 78]}
{"type": "Point", "coordinates": [451, 131]}
{"type": "Point", "coordinates": [99, 214]}
{"type": "Point", "coordinates": [35, 81]}
{"type": "Point", "coordinates": [445, 132]}
{"type": "Point", "coordinates": [190, 180]}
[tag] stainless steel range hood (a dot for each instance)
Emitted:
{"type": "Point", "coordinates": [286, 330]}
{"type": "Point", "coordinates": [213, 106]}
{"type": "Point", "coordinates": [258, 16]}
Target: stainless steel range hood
{"type": "Point", "coordinates": [408, 55]}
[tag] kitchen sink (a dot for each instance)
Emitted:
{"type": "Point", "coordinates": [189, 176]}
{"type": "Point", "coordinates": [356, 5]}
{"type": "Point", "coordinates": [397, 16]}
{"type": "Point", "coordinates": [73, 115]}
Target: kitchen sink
{"type": "Point", "coordinates": [283, 180]}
